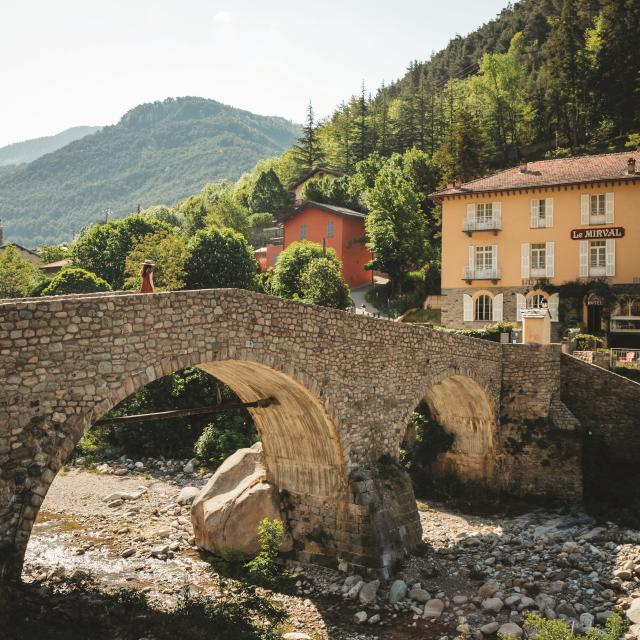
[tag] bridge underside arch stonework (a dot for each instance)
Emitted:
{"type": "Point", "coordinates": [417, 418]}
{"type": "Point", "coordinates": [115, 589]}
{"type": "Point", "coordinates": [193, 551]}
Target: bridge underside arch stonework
{"type": "Point", "coordinates": [345, 387]}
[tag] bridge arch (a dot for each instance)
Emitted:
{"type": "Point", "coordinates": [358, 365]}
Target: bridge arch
{"type": "Point", "coordinates": [460, 401]}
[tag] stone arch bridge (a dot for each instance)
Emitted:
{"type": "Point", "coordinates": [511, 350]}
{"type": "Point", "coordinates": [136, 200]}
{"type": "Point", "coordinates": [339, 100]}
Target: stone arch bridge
{"type": "Point", "coordinates": [345, 387]}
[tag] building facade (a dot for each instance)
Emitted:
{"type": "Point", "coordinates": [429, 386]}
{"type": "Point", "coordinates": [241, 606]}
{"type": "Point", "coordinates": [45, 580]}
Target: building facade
{"type": "Point", "coordinates": [336, 228]}
{"type": "Point", "coordinates": [512, 240]}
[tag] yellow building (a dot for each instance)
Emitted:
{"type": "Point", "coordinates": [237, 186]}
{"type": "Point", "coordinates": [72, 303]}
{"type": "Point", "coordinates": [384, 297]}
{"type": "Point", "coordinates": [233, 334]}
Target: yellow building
{"type": "Point", "coordinates": [511, 240]}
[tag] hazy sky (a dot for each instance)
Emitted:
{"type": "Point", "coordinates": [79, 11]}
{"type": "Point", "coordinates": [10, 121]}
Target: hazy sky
{"type": "Point", "coordinates": [84, 62]}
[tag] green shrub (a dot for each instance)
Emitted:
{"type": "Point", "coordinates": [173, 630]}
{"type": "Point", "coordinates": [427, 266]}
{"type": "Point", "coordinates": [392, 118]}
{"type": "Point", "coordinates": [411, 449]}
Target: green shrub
{"type": "Point", "coordinates": [223, 437]}
{"type": "Point", "coordinates": [588, 342]}
{"type": "Point", "coordinates": [264, 569]}
{"type": "Point", "coordinates": [75, 280]}
{"type": "Point", "coordinates": [559, 630]}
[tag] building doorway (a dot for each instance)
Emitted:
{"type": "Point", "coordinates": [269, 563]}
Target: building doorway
{"type": "Point", "coordinates": [594, 314]}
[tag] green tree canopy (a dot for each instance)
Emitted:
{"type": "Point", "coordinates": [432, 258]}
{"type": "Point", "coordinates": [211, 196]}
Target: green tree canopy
{"type": "Point", "coordinates": [395, 225]}
{"type": "Point", "coordinates": [74, 280]}
{"type": "Point", "coordinates": [269, 195]}
{"type": "Point", "coordinates": [103, 248]}
{"type": "Point", "coordinates": [308, 152]}
{"type": "Point", "coordinates": [322, 283]}
{"type": "Point", "coordinates": [228, 211]}
{"type": "Point", "coordinates": [292, 262]}
{"type": "Point", "coordinates": [165, 214]}
{"type": "Point", "coordinates": [220, 257]}
{"type": "Point", "coordinates": [168, 251]}
{"type": "Point", "coordinates": [194, 211]}
{"type": "Point", "coordinates": [53, 252]}
{"type": "Point", "coordinates": [17, 275]}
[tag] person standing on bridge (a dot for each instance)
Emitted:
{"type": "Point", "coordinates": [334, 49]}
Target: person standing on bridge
{"type": "Point", "coordinates": [146, 273]}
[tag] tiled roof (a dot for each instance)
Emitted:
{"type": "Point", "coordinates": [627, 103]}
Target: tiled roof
{"type": "Point", "coordinates": [59, 264]}
{"type": "Point", "coordinates": [330, 208]}
{"type": "Point", "coordinates": [545, 173]}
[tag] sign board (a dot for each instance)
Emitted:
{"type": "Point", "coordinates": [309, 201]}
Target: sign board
{"type": "Point", "coordinates": [597, 233]}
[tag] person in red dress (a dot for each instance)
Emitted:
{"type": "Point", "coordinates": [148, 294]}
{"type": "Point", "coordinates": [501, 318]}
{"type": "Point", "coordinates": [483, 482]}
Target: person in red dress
{"type": "Point", "coordinates": [146, 272]}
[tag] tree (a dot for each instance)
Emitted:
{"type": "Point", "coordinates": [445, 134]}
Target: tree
{"type": "Point", "coordinates": [165, 214]}
{"type": "Point", "coordinates": [168, 251]}
{"type": "Point", "coordinates": [291, 264]}
{"type": "Point", "coordinates": [308, 153]}
{"type": "Point", "coordinates": [464, 150]}
{"type": "Point", "coordinates": [220, 257]}
{"type": "Point", "coordinates": [17, 275]}
{"type": "Point", "coordinates": [53, 252]}
{"type": "Point", "coordinates": [322, 283]}
{"type": "Point", "coordinates": [395, 225]}
{"type": "Point", "coordinates": [74, 280]}
{"type": "Point", "coordinates": [194, 211]}
{"type": "Point", "coordinates": [269, 195]}
{"type": "Point", "coordinates": [103, 248]}
{"type": "Point", "coordinates": [227, 211]}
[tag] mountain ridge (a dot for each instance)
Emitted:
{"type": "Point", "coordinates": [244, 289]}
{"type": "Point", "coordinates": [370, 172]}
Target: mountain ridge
{"type": "Point", "coordinates": [26, 151]}
{"type": "Point", "coordinates": [157, 153]}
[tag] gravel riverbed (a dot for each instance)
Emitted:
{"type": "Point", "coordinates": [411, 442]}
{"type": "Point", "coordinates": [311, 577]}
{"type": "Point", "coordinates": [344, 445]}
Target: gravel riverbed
{"type": "Point", "coordinates": [474, 576]}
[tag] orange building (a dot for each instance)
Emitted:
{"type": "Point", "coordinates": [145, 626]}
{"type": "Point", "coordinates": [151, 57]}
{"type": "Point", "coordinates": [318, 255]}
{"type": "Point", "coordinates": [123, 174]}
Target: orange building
{"type": "Point", "coordinates": [511, 239]}
{"type": "Point", "coordinates": [337, 228]}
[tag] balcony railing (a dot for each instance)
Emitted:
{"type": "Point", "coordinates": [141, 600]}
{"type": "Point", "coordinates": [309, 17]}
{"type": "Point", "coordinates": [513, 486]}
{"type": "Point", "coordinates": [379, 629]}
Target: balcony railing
{"type": "Point", "coordinates": [471, 273]}
{"type": "Point", "coordinates": [469, 225]}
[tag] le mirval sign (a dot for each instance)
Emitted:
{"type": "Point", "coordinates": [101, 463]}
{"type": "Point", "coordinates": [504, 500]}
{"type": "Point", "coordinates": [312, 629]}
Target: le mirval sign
{"type": "Point", "coordinates": [598, 233]}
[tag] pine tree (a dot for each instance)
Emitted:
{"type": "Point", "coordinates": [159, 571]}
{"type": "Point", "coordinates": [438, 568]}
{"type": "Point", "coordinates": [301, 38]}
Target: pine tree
{"type": "Point", "coordinates": [308, 153]}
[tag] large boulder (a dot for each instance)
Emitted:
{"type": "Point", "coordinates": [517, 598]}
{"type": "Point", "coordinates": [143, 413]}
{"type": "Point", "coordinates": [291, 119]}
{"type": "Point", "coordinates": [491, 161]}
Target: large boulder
{"type": "Point", "coordinates": [227, 512]}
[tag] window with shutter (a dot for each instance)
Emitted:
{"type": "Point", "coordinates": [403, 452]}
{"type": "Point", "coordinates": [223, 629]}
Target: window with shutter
{"type": "Point", "coordinates": [584, 209]}
{"type": "Point", "coordinates": [467, 308]}
{"type": "Point", "coordinates": [521, 303]}
{"type": "Point", "coordinates": [554, 306]}
{"type": "Point", "coordinates": [549, 212]}
{"type": "Point", "coordinates": [497, 307]}
{"type": "Point", "coordinates": [584, 258]}
{"type": "Point", "coordinates": [608, 208]}
{"type": "Point", "coordinates": [610, 259]}
{"type": "Point", "coordinates": [525, 249]}
{"type": "Point", "coordinates": [550, 258]}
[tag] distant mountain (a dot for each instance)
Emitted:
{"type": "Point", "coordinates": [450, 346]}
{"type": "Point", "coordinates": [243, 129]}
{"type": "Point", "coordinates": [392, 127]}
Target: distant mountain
{"type": "Point", "coordinates": [157, 154]}
{"type": "Point", "coordinates": [30, 150]}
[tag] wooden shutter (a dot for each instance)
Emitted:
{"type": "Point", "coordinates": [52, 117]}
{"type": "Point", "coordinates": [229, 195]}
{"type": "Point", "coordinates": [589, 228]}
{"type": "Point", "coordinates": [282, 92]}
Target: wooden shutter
{"type": "Point", "coordinates": [549, 250]}
{"type": "Point", "coordinates": [471, 215]}
{"type": "Point", "coordinates": [497, 307]}
{"type": "Point", "coordinates": [611, 257]}
{"type": "Point", "coordinates": [472, 260]}
{"type": "Point", "coordinates": [584, 258]}
{"type": "Point", "coordinates": [467, 308]}
{"type": "Point", "coordinates": [494, 258]}
{"type": "Point", "coordinates": [584, 209]}
{"type": "Point", "coordinates": [554, 305]}
{"type": "Point", "coordinates": [535, 213]}
{"type": "Point", "coordinates": [608, 208]}
{"type": "Point", "coordinates": [497, 213]}
{"type": "Point", "coordinates": [549, 212]}
{"type": "Point", "coordinates": [525, 251]}
{"type": "Point", "coordinates": [521, 303]}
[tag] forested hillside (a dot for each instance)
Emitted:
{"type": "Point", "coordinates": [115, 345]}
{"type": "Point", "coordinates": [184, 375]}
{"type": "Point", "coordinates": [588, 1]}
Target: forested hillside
{"type": "Point", "coordinates": [157, 153]}
{"type": "Point", "coordinates": [30, 150]}
{"type": "Point", "coordinates": [553, 77]}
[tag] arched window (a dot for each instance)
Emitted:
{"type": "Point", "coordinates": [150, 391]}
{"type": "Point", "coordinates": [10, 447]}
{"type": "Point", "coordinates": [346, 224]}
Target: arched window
{"type": "Point", "coordinates": [537, 301]}
{"type": "Point", "coordinates": [484, 308]}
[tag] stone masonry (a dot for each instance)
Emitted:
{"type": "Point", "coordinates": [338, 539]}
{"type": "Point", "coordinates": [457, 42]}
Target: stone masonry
{"type": "Point", "coordinates": [345, 386]}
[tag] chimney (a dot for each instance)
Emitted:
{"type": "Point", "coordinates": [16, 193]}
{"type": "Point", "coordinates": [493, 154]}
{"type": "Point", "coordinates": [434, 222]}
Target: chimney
{"type": "Point", "coordinates": [524, 167]}
{"type": "Point", "coordinates": [449, 185]}
{"type": "Point", "coordinates": [631, 166]}
{"type": "Point", "coordinates": [458, 182]}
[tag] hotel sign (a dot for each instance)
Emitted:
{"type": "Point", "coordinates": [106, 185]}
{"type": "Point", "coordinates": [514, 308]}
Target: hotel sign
{"type": "Point", "coordinates": [599, 233]}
